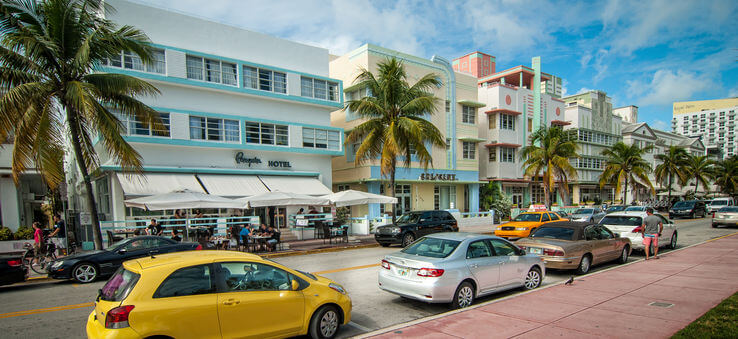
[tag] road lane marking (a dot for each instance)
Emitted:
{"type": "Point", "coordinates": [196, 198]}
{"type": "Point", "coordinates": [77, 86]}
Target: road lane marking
{"type": "Point", "coordinates": [346, 269]}
{"type": "Point", "coordinates": [359, 327]}
{"type": "Point", "coordinates": [44, 310]}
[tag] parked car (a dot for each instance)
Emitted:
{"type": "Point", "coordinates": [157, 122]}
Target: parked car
{"type": "Point", "coordinates": [576, 245]}
{"type": "Point", "coordinates": [719, 203]}
{"type": "Point", "coordinates": [413, 225]}
{"type": "Point", "coordinates": [12, 269]}
{"type": "Point", "coordinates": [688, 208]}
{"type": "Point", "coordinates": [88, 266]}
{"type": "Point", "coordinates": [627, 224]}
{"type": "Point", "coordinates": [524, 223]}
{"type": "Point", "coordinates": [587, 214]}
{"type": "Point", "coordinates": [636, 209]}
{"type": "Point", "coordinates": [563, 215]}
{"type": "Point", "coordinates": [216, 294]}
{"type": "Point", "coordinates": [615, 208]}
{"type": "Point", "coordinates": [726, 216]}
{"type": "Point", "coordinates": [457, 268]}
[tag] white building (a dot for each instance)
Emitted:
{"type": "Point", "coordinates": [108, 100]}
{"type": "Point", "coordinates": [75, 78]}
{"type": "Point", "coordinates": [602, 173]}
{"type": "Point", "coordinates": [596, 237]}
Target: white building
{"type": "Point", "coordinates": [714, 121]}
{"type": "Point", "coordinates": [19, 205]}
{"type": "Point", "coordinates": [627, 113]}
{"type": "Point", "coordinates": [245, 113]}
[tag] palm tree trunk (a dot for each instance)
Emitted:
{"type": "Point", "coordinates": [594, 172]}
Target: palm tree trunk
{"type": "Point", "coordinates": [696, 183]}
{"type": "Point", "coordinates": [625, 191]}
{"type": "Point", "coordinates": [546, 198]}
{"type": "Point", "coordinates": [392, 190]}
{"type": "Point", "coordinates": [75, 132]}
{"type": "Point", "coordinates": [669, 188]}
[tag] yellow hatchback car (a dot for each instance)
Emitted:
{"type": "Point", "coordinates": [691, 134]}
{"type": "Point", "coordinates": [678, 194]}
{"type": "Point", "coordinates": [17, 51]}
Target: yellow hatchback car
{"type": "Point", "coordinates": [216, 294]}
{"type": "Point", "coordinates": [524, 223]}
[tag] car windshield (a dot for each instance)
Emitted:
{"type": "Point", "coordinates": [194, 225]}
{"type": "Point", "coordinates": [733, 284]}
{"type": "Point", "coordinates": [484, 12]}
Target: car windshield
{"type": "Point", "coordinates": [684, 204]}
{"type": "Point", "coordinates": [528, 217]}
{"type": "Point", "coordinates": [719, 202]}
{"type": "Point", "coordinates": [635, 208]}
{"type": "Point", "coordinates": [584, 211]}
{"type": "Point", "coordinates": [730, 209]}
{"type": "Point", "coordinates": [615, 209]}
{"type": "Point", "coordinates": [618, 220]}
{"type": "Point", "coordinates": [432, 247]}
{"type": "Point", "coordinates": [408, 218]}
{"type": "Point", "coordinates": [119, 243]}
{"type": "Point", "coordinates": [561, 233]}
{"type": "Point", "coordinates": [119, 285]}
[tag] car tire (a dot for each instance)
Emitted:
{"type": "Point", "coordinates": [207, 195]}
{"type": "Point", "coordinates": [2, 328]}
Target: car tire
{"type": "Point", "coordinates": [624, 255]}
{"type": "Point", "coordinates": [84, 273]}
{"type": "Point", "coordinates": [384, 244]}
{"type": "Point", "coordinates": [407, 239]}
{"type": "Point", "coordinates": [691, 215]}
{"type": "Point", "coordinates": [585, 264]}
{"type": "Point", "coordinates": [714, 225]}
{"type": "Point", "coordinates": [464, 296]}
{"type": "Point", "coordinates": [673, 241]}
{"type": "Point", "coordinates": [533, 279]}
{"type": "Point", "coordinates": [324, 323]}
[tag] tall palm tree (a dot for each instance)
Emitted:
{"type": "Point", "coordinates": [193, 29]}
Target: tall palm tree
{"type": "Point", "coordinates": [673, 165]}
{"type": "Point", "coordinates": [701, 169]}
{"type": "Point", "coordinates": [726, 175]}
{"type": "Point", "coordinates": [395, 127]}
{"type": "Point", "coordinates": [548, 153]}
{"type": "Point", "coordinates": [53, 97]}
{"type": "Point", "coordinates": [625, 164]}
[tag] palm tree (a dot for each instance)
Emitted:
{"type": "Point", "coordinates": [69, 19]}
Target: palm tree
{"type": "Point", "coordinates": [726, 175]}
{"type": "Point", "coordinates": [549, 152]}
{"type": "Point", "coordinates": [395, 127]}
{"type": "Point", "coordinates": [673, 164]}
{"type": "Point", "coordinates": [701, 169]}
{"type": "Point", "coordinates": [53, 97]}
{"type": "Point", "coordinates": [625, 164]}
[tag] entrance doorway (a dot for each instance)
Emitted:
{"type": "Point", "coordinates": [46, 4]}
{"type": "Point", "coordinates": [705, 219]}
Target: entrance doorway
{"type": "Point", "coordinates": [517, 196]}
{"type": "Point", "coordinates": [444, 197]}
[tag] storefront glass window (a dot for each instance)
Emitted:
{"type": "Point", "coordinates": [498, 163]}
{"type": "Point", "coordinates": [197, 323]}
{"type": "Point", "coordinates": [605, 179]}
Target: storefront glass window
{"type": "Point", "coordinates": [444, 197]}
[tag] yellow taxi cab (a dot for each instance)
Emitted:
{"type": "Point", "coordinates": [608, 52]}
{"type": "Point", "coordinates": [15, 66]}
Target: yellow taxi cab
{"type": "Point", "coordinates": [524, 223]}
{"type": "Point", "coordinates": [216, 294]}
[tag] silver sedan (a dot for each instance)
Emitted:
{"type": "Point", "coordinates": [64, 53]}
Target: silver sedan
{"type": "Point", "coordinates": [457, 268]}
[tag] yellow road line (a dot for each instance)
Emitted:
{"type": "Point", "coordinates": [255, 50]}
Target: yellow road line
{"type": "Point", "coordinates": [346, 269]}
{"type": "Point", "coordinates": [725, 236]}
{"type": "Point", "coordinates": [44, 310]}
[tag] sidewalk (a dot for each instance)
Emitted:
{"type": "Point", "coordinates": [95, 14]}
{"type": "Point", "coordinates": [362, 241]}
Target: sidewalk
{"type": "Point", "coordinates": [611, 303]}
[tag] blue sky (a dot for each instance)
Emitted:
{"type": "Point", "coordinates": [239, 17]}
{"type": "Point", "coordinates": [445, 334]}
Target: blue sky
{"type": "Point", "coordinates": [644, 53]}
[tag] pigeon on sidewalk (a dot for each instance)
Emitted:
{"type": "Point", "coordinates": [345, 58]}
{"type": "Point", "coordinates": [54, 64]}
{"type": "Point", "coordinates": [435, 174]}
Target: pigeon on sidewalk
{"type": "Point", "coordinates": [571, 280]}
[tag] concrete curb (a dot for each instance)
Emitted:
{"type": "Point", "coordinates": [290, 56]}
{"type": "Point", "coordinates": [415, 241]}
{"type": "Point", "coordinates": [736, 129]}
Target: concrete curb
{"type": "Point", "coordinates": [445, 314]}
{"type": "Point", "coordinates": [320, 250]}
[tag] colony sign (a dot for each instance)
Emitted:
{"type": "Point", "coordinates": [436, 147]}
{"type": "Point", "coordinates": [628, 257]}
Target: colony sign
{"type": "Point", "coordinates": [240, 158]}
{"type": "Point", "coordinates": [437, 177]}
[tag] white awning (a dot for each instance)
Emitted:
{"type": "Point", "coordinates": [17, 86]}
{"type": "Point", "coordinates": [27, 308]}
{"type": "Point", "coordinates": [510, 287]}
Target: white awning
{"type": "Point", "coordinates": [300, 185]}
{"type": "Point", "coordinates": [232, 185]}
{"type": "Point", "coordinates": [157, 183]}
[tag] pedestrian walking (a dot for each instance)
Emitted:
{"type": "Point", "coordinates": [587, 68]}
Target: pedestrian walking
{"type": "Point", "coordinates": [651, 231]}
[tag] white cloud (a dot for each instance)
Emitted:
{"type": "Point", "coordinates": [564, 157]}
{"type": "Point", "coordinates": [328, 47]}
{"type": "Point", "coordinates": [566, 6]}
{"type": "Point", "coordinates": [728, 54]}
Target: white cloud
{"type": "Point", "coordinates": [733, 92]}
{"type": "Point", "coordinates": [564, 88]}
{"type": "Point", "coordinates": [661, 125]}
{"type": "Point", "coordinates": [583, 90]}
{"type": "Point", "coordinates": [667, 86]}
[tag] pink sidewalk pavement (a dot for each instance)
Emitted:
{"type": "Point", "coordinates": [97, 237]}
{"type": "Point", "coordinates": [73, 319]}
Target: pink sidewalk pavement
{"type": "Point", "coordinates": [612, 303]}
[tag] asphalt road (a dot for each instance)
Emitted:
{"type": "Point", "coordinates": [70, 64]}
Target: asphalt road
{"type": "Point", "coordinates": [59, 309]}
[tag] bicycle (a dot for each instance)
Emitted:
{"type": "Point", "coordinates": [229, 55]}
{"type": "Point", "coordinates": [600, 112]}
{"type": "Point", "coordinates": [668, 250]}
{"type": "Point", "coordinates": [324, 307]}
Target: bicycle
{"type": "Point", "coordinates": [46, 255]}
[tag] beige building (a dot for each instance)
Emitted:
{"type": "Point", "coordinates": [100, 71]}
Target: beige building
{"type": "Point", "coordinates": [714, 121]}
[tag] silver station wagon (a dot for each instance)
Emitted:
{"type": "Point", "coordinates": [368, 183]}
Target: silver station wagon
{"type": "Point", "coordinates": [457, 268]}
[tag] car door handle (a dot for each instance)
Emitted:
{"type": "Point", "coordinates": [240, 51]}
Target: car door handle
{"type": "Point", "coordinates": [231, 302]}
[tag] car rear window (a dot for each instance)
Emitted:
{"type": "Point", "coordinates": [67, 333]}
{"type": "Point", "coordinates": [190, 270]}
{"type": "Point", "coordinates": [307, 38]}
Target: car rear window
{"type": "Point", "coordinates": [719, 202]}
{"type": "Point", "coordinates": [119, 285]}
{"type": "Point", "coordinates": [187, 281]}
{"type": "Point", "coordinates": [432, 247]}
{"type": "Point", "coordinates": [728, 209]}
{"type": "Point", "coordinates": [616, 220]}
{"type": "Point", "coordinates": [561, 233]}
{"type": "Point", "coordinates": [584, 211]}
{"type": "Point", "coordinates": [681, 204]}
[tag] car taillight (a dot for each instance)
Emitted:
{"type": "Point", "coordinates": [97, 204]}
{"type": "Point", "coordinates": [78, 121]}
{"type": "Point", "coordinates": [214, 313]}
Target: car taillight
{"type": "Point", "coordinates": [385, 264]}
{"type": "Point", "coordinates": [637, 230]}
{"type": "Point", "coordinates": [199, 247]}
{"type": "Point", "coordinates": [555, 253]}
{"type": "Point", "coordinates": [118, 317]}
{"type": "Point", "coordinates": [522, 247]}
{"type": "Point", "coordinates": [713, 214]}
{"type": "Point", "coordinates": [430, 272]}
{"type": "Point", "coordinates": [14, 263]}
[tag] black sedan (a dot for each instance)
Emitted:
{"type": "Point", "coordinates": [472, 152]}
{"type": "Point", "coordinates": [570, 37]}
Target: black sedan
{"type": "Point", "coordinates": [12, 269]}
{"type": "Point", "coordinates": [86, 267]}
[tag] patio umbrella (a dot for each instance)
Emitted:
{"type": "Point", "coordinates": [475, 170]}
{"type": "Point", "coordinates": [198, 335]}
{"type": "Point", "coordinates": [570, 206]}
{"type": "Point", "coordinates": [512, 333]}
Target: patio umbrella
{"type": "Point", "coordinates": [279, 198]}
{"type": "Point", "coordinates": [352, 197]}
{"type": "Point", "coordinates": [183, 199]}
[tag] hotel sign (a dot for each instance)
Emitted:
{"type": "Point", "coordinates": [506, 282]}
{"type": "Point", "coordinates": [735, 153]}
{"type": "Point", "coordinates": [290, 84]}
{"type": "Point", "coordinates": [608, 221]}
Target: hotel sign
{"type": "Point", "coordinates": [437, 177]}
{"type": "Point", "coordinates": [240, 158]}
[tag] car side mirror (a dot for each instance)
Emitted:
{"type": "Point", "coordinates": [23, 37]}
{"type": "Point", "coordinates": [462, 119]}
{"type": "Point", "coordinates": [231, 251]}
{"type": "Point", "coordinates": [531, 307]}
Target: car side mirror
{"type": "Point", "coordinates": [122, 251]}
{"type": "Point", "coordinates": [295, 285]}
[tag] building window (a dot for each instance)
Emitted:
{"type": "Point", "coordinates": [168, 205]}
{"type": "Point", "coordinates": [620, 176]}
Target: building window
{"type": "Point", "coordinates": [448, 106]}
{"type": "Point", "coordinates": [469, 150]}
{"type": "Point", "coordinates": [530, 125]}
{"type": "Point", "coordinates": [319, 89]}
{"type": "Point", "coordinates": [264, 79]}
{"type": "Point", "coordinates": [492, 154]}
{"type": "Point", "coordinates": [213, 129]}
{"type": "Point", "coordinates": [468, 114]}
{"type": "Point", "coordinates": [211, 70]}
{"type": "Point", "coordinates": [103, 195]}
{"type": "Point", "coordinates": [492, 122]}
{"type": "Point", "coordinates": [129, 60]}
{"type": "Point", "coordinates": [342, 188]}
{"type": "Point", "coordinates": [448, 144]}
{"type": "Point", "coordinates": [267, 134]}
{"type": "Point", "coordinates": [320, 138]}
{"type": "Point", "coordinates": [444, 197]}
{"type": "Point", "coordinates": [133, 126]}
{"type": "Point", "coordinates": [507, 154]}
{"type": "Point", "coordinates": [507, 121]}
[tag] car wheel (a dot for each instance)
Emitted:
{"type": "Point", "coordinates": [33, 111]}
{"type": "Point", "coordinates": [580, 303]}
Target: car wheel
{"type": "Point", "coordinates": [324, 323]}
{"type": "Point", "coordinates": [691, 215]}
{"type": "Point", "coordinates": [585, 264]}
{"type": "Point", "coordinates": [408, 239]}
{"type": "Point", "coordinates": [533, 278]}
{"type": "Point", "coordinates": [714, 225]}
{"type": "Point", "coordinates": [84, 273]}
{"type": "Point", "coordinates": [624, 255]}
{"type": "Point", "coordinates": [464, 296]}
{"type": "Point", "coordinates": [384, 244]}
{"type": "Point", "coordinates": [673, 242]}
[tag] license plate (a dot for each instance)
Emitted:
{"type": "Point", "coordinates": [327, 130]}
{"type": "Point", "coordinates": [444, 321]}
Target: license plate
{"type": "Point", "coordinates": [535, 250]}
{"type": "Point", "coordinates": [401, 272]}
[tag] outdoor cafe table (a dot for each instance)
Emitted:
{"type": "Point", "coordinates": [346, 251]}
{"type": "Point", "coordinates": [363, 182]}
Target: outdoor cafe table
{"type": "Point", "coordinates": [260, 240]}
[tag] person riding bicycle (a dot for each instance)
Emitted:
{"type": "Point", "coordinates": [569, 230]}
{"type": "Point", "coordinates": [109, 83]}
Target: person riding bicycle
{"type": "Point", "coordinates": [60, 231]}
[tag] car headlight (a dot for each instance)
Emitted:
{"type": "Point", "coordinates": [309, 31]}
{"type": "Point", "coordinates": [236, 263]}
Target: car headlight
{"type": "Point", "coordinates": [56, 264]}
{"type": "Point", "coordinates": [337, 287]}
{"type": "Point", "coordinates": [395, 230]}
{"type": "Point", "coordinates": [499, 228]}
{"type": "Point", "coordinates": [521, 228]}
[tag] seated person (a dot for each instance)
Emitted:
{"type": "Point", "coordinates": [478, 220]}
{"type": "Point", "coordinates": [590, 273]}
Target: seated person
{"type": "Point", "coordinates": [262, 230]}
{"type": "Point", "coordinates": [175, 235]}
{"type": "Point", "coordinates": [244, 234]}
{"type": "Point", "coordinates": [273, 238]}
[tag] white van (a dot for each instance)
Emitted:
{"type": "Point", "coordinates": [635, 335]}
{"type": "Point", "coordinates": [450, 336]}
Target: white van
{"type": "Point", "coordinates": [719, 203]}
